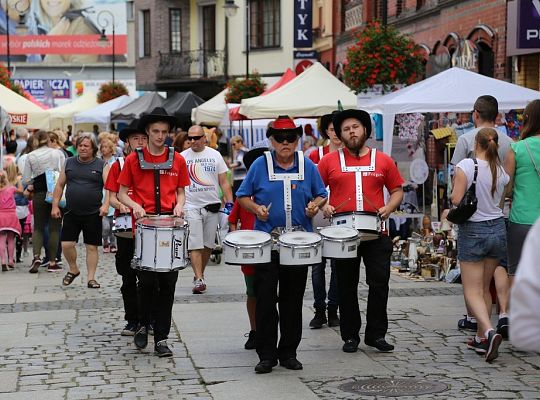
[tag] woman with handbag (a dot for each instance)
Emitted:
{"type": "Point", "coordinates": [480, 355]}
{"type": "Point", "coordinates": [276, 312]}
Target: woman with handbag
{"type": "Point", "coordinates": [482, 237]}
{"type": "Point", "coordinates": [522, 163]}
{"type": "Point", "coordinates": [42, 159]}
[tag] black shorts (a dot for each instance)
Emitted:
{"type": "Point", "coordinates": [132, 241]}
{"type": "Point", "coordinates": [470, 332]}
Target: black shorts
{"type": "Point", "coordinates": [90, 225]}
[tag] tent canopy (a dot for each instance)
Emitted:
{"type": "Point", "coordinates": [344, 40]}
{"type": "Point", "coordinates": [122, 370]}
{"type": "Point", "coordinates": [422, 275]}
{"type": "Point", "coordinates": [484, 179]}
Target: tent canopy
{"type": "Point", "coordinates": [22, 111]}
{"type": "Point", "coordinates": [62, 116]}
{"type": "Point", "coordinates": [180, 105]}
{"type": "Point", "coordinates": [143, 104]}
{"type": "Point", "coordinates": [211, 111]}
{"type": "Point", "coordinates": [313, 93]}
{"type": "Point", "coordinates": [102, 113]}
{"type": "Point", "coordinates": [289, 75]}
{"type": "Point", "coordinates": [453, 90]}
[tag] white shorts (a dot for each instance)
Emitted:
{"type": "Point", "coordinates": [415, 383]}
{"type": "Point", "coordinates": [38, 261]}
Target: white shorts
{"type": "Point", "coordinates": [203, 226]}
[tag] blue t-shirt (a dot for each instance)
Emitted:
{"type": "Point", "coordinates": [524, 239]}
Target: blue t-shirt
{"type": "Point", "coordinates": [257, 185]}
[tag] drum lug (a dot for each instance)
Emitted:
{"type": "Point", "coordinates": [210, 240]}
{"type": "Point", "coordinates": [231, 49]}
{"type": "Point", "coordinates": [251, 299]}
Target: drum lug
{"type": "Point", "coordinates": [260, 251]}
{"type": "Point", "coordinates": [316, 249]}
{"type": "Point", "coordinates": [236, 249]}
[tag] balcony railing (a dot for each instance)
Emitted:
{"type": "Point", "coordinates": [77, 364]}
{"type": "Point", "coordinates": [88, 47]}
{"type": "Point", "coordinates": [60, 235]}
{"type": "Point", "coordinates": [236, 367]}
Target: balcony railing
{"type": "Point", "coordinates": [191, 64]}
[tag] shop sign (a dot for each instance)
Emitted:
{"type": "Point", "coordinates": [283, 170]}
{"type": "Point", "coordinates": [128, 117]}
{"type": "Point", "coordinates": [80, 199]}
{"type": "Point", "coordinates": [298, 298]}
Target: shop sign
{"type": "Point", "coordinates": [41, 88]}
{"type": "Point", "coordinates": [466, 56]}
{"type": "Point", "coordinates": [19, 119]}
{"type": "Point", "coordinates": [304, 60]}
{"type": "Point", "coordinates": [303, 22]}
{"type": "Point", "coordinates": [528, 36]}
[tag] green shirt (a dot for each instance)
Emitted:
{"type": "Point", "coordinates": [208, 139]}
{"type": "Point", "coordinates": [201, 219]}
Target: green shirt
{"type": "Point", "coordinates": [526, 199]}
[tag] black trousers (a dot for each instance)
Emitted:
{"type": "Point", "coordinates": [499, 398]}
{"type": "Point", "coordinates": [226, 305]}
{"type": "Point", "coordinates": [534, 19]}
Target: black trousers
{"type": "Point", "coordinates": [130, 295]}
{"type": "Point", "coordinates": [157, 287]}
{"type": "Point", "coordinates": [376, 255]}
{"type": "Point", "coordinates": [288, 314]}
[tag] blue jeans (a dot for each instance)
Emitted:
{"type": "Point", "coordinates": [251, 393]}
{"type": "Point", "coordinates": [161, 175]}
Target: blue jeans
{"type": "Point", "coordinates": [318, 280]}
{"type": "Point", "coordinates": [479, 240]}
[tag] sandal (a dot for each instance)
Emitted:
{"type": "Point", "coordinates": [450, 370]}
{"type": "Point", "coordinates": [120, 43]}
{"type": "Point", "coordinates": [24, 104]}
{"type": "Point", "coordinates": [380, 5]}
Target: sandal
{"type": "Point", "coordinates": [69, 277]}
{"type": "Point", "coordinates": [93, 284]}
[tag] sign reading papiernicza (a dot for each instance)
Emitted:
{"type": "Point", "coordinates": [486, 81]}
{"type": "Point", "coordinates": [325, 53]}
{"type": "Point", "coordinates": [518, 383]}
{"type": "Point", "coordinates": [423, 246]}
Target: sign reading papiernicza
{"type": "Point", "coordinates": [60, 88]}
{"type": "Point", "coordinates": [528, 24]}
{"type": "Point", "coordinates": [303, 21]}
{"type": "Point", "coordinates": [65, 31]}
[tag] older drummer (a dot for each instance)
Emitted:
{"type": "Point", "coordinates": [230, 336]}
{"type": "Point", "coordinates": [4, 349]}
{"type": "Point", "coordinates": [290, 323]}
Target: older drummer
{"type": "Point", "coordinates": [356, 176]}
{"type": "Point", "coordinates": [157, 176]}
{"type": "Point", "coordinates": [284, 191]}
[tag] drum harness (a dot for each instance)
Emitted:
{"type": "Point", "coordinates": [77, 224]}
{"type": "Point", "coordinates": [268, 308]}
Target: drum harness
{"type": "Point", "coordinates": [287, 187]}
{"type": "Point", "coordinates": [358, 170]}
{"type": "Point", "coordinates": [156, 167]}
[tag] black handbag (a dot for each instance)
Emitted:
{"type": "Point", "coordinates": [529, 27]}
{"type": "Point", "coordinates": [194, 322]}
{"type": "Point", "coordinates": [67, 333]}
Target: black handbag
{"type": "Point", "coordinates": [468, 204]}
{"type": "Point", "coordinates": [213, 208]}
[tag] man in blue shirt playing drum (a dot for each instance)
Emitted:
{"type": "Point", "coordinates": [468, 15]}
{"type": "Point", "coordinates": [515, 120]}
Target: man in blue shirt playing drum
{"type": "Point", "coordinates": [284, 190]}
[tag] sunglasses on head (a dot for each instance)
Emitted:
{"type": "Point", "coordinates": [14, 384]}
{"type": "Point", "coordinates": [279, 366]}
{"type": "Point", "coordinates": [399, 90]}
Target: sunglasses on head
{"type": "Point", "coordinates": [281, 137]}
{"type": "Point", "coordinates": [194, 137]}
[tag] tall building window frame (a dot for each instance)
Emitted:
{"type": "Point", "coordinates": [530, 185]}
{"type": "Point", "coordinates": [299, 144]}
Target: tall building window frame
{"type": "Point", "coordinates": [265, 24]}
{"type": "Point", "coordinates": [175, 30]}
{"type": "Point", "coordinates": [209, 28]}
{"type": "Point", "coordinates": [144, 34]}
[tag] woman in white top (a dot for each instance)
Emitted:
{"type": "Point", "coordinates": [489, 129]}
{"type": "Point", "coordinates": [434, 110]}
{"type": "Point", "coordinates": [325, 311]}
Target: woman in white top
{"type": "Point", "coordinates": [482, 239]}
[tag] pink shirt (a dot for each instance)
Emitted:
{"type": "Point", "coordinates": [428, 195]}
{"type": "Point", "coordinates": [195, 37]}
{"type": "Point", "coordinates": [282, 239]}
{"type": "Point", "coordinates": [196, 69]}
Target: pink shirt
{"type": "Point", "coordinates": [7, 199]}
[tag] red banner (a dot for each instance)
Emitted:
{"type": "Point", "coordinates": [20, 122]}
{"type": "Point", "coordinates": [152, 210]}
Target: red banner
{"type": "Point", "coordinates": [21, 119]}
{"type": "Point", "coordinates": [63, 44]}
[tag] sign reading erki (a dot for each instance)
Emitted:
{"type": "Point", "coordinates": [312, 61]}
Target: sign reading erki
{"type": "Point", "coordinates": [528, 36]}
{"type": "Point", "coordinates": [303, 21]}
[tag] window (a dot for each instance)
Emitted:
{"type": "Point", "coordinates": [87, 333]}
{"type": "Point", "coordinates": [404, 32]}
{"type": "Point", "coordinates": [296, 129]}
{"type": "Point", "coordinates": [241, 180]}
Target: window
{"type": "Point", "coordinates": [175, 30]}
{"type": "Point", "coordinates": [146, 33]}
{"type": "Point", "coordinates": [209, 28]}
{"type": "Point", "coordinates": [399, 7]}
{"type": "Point", "coordinates": [265, 23]}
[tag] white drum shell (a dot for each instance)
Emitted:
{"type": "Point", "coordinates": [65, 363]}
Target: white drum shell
{"type": "Point", "coordinates": [300, 249]}
{"type": "Point", "coordinates": [369, 225]}
{"type": "Point", "coordinates": [160, 249]}
{"type": "Point", "coordinates": [123, 226]}
{"type": "Point", "coordinates": [339, 242]}
{"type": "Point", "coordinates": [247, 247]}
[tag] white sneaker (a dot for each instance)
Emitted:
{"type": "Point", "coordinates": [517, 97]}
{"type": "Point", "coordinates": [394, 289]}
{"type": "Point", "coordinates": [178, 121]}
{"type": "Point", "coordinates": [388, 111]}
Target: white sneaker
{"type": "Point", "coordinates": [199, 286]}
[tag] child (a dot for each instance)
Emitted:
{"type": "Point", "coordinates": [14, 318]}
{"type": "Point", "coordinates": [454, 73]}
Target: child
{"type": "Point", "coordinates": [9, 223]}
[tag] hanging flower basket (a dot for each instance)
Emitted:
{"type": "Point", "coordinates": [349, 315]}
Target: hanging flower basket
{"type": "Point", "coordinates": [110, 90]}
{"type": "Point", "coordinates": [239, 89]}
{"type": "Point", "coordinates": [5, 79]}
{"type": "Point", "coordinates": [382, 55]}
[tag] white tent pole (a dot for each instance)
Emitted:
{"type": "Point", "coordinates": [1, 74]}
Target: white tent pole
{"type": "Point", "coordinates": [388, 132]}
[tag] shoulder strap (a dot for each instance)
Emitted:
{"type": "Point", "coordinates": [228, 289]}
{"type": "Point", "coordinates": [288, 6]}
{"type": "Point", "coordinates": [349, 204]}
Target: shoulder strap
{"type": "Point", "coordinates": [532, 158]}
{"type": "Point", "coordinates": [475, 171]}
{"type": "Point", "coordinates": [120, 161]}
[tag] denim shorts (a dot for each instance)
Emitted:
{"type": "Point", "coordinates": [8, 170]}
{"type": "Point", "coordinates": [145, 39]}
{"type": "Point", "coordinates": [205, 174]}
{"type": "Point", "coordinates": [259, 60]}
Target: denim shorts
{"type": "Point", "coordinates": [479, 240]}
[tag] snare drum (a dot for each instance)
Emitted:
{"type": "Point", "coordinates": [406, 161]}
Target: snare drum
{"type": "Point", "coordinates": [339, 242]}
{"type": "Point", "coordinates": [161, 244]}
{"type": "Point", "coordinates": [246, 247]}
{"type": "Point", "coordinates": [300, 248]}
{"type": "Point", "coordinates": [369, 224]}
{"type": "Point", "coordinates": [123, 226]}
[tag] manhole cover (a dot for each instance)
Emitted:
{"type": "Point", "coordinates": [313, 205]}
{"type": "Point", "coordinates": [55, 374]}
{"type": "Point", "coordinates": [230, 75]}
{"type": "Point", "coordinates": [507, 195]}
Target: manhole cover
{"type": "Point", "coordinates": [393, 387]}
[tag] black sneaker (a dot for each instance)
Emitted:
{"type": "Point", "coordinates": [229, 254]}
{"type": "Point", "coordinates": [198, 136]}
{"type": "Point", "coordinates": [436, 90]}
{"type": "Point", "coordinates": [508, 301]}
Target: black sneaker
{"type": "Point", "coordinates": [467, 325]}
{"type": "Point", "coordinates": [333, 318]}
{"type": "Point", "coordinates": [265, 366]}
{"type": "Point", "coordinates": [250, 343]}
{"type": "Point", "coordinates": [494, 340]}
{"type": "Point", "coordinates": [45, 263]}
{"type": "Point", "coordinates": [291, 363]}
{"type": "Point", "coordinates": [318, 320]}
{"type": "Point", "coordinates": [480, 347]}
{"type": "Point", "coordinates": [162, 350]}
{"type": "Point", "coordinates": [380, 344]}
{"type": "Point", "coordinates": [34, 268]}
{"type": "Point", "coordinates": [502, 327]}
{"type": "Point", "coordinates": [141, 338]}
{"type": "Point", "coordinates": [130, 329]}
{"type": "Point", "coordinates": [350, 346]}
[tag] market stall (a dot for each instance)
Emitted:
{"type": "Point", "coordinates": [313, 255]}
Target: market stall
{"type": "Point", "coordinates": [22, 111]}
{"type": "Point", "coordinates": [134, 109]}
{"type": "Point", "coordinates": [62, 116]}
{"type": "Point", "coordinates": [180, 105]}
{"type": "Point", "coordinates": [101, 115]}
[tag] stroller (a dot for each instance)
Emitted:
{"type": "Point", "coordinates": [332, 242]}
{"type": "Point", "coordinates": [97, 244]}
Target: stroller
{"type": "Point", "coordinates": [223, 229]}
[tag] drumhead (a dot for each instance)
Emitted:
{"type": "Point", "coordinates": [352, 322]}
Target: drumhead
{"type": "Point", "coordinates": [299, 238]}
{"type": "Point", "coordinates": [338, 232]}
{"type": "Point", "coordinates": [341, 214]}
{"type": "Point", "coordinates": [162, 221]}
{"type": "Point", "coordinates": [247, 237]}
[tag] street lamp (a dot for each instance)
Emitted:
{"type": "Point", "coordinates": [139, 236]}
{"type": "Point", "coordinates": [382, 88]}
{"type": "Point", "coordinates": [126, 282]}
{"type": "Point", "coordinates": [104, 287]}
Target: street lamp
{"type": "Point", "coordinates": [104, 19]}
{"type": "Point", "coordinates": [21, 7]}
{"type": "Point", "coordinates": [230, 11]}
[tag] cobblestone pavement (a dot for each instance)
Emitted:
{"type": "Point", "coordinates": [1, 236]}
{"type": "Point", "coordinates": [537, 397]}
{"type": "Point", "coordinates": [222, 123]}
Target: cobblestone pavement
{"type": "Point", "coordinates": [63, 343]}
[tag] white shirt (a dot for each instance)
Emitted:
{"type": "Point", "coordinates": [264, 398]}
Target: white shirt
{"type": "Point", "coordinates": [525, 295]}
{"type": "Point", "coordinates": [204, 168]}
{"type": "Point", "coordinates": [42, 159]}
{"type": "Point", "coordinates": [488, 206]}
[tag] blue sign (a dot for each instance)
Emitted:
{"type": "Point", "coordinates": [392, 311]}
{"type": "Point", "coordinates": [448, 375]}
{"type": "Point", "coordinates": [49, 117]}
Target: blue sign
{"type": "Point", "coordinates": [303, 22]}
{"type": "Point", "coordinates": [528, 36]}
{"type": "Point", "coordinates": [43, 88]}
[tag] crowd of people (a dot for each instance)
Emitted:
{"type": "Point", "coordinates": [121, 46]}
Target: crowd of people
{"type": "Point", "coordinates": [56, 186]}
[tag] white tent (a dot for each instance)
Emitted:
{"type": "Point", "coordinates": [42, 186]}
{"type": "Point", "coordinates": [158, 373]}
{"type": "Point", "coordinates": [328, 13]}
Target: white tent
{"type": "Point", "coordinates": [313, 93]}
{"type": "Point", "coordinates": [210, 112]}
{"type": "Point", "coordinates": [22, 111]}
{"type": "Point", "coordinates": [102, 113]}
{"type": "Point", "coordinates": [453, 90]}
{"type": "Point", "coordinates": [62, 116]}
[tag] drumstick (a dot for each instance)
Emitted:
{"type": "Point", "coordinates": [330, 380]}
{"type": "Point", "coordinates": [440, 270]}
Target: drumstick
{"type": "Point", "coordinates": [342, 204]}
{"type": "Point", "coordinates": [371, 203]}
{"type": "Point", "coordinates": [268, 207]}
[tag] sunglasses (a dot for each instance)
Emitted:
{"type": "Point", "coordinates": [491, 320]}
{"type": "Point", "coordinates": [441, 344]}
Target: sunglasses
{"type": "Point", "coordinates": [194, 137]}
{"type": "Point", "coordinates": [281, 137]}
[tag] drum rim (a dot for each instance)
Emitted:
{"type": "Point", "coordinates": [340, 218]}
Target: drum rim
{"type": "Point", "coordinates": [140, 222]}
{"type": "Point", "coordinates": [303, 245]}
{"type": "Point", "coordinates": [266, 234]}
{"type": "Point", "coordinates": [343, 239]}
{"type": "Point", "coordinates": [370, 213]}
{"type": "Point", "coordinates": [247, 246]}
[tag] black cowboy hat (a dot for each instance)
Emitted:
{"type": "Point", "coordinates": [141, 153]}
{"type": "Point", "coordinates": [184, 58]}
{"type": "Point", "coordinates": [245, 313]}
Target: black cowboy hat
{"type": "Point", "coordinates": [324, 122]}
{"type": "Point", "coordinates": [158, 114]}
{"type": "Point", "coordinates": [252, 155]}
{"type": "Point", "coordinates": [283, 124]}
{"type": "Point", "coordinates": [131, 129]}
{"type": "Point", "coordinates": [360, 115]}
